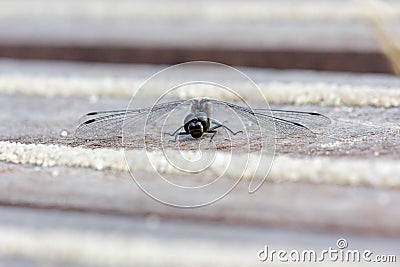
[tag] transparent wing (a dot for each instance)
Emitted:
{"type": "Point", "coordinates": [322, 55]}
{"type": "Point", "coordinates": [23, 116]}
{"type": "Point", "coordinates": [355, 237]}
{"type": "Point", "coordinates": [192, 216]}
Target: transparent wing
{"type": "Point", "coordinates": [309, 119]}
{"type": "Point", "coordinates": [285, 122]}
{"type": "Point", "coordinates": [108, 124]}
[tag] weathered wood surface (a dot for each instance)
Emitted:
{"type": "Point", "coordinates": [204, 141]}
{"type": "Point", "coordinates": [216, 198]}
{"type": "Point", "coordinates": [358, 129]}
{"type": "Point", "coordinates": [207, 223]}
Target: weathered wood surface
{"type": "Point", "coordinates": [70, 238]}
{"type": "Point", "coordinates": [358, 132]}
{"type": "Point", "coordinates": [360, 36]}
{"type": "Point", "coordinates": [78, 213]}
{"type": "Point", "coordinates": [300, 206]}
{"type": "Point", "coordinates": [75, 214]}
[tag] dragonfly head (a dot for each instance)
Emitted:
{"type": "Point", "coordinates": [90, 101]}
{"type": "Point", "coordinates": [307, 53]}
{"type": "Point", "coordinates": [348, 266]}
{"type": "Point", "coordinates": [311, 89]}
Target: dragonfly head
{"type": "Point", "coordinates": [195, 128]}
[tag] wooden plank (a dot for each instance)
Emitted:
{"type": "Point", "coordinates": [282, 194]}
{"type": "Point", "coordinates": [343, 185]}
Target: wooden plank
{"type": "Point", "coordinates": [41, 120]}
{"type": "Point", "coordinates": [89, 239]}
{"type": "Point", "coordinates": [289, 59]}
{"type": "Point", "coordinates": [288, 205]}
{"type": "Point", "coordinates": [276, 39]}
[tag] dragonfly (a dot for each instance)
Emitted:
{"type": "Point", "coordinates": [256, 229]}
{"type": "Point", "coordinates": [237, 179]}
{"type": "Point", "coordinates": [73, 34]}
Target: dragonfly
{"type": "Point", "coordinates": [199, 120]}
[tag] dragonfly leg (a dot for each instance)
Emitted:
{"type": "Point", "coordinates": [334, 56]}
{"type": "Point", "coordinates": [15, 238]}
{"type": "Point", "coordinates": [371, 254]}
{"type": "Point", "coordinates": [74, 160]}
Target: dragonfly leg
{"type": "Point", "coordinates": [219, 125]}
{"type": "Point", "coordinates": [176, 136]}
{"type": "Point", "coordinates": [214, 133]}
{"type": "Point", "coordinates": [174, 133]}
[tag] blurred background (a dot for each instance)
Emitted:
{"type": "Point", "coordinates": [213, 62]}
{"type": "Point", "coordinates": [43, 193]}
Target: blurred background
{"type": "Point", "coordinates": [56, 54]}
{"type": "Point", "coordinates": [336, 35]}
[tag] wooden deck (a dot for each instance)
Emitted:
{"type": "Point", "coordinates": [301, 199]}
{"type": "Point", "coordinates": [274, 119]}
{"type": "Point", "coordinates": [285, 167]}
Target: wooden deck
{"type": "Point", "coordinates": [77, 213]}
{"type": "Point", "coordinates": [336, 57]}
